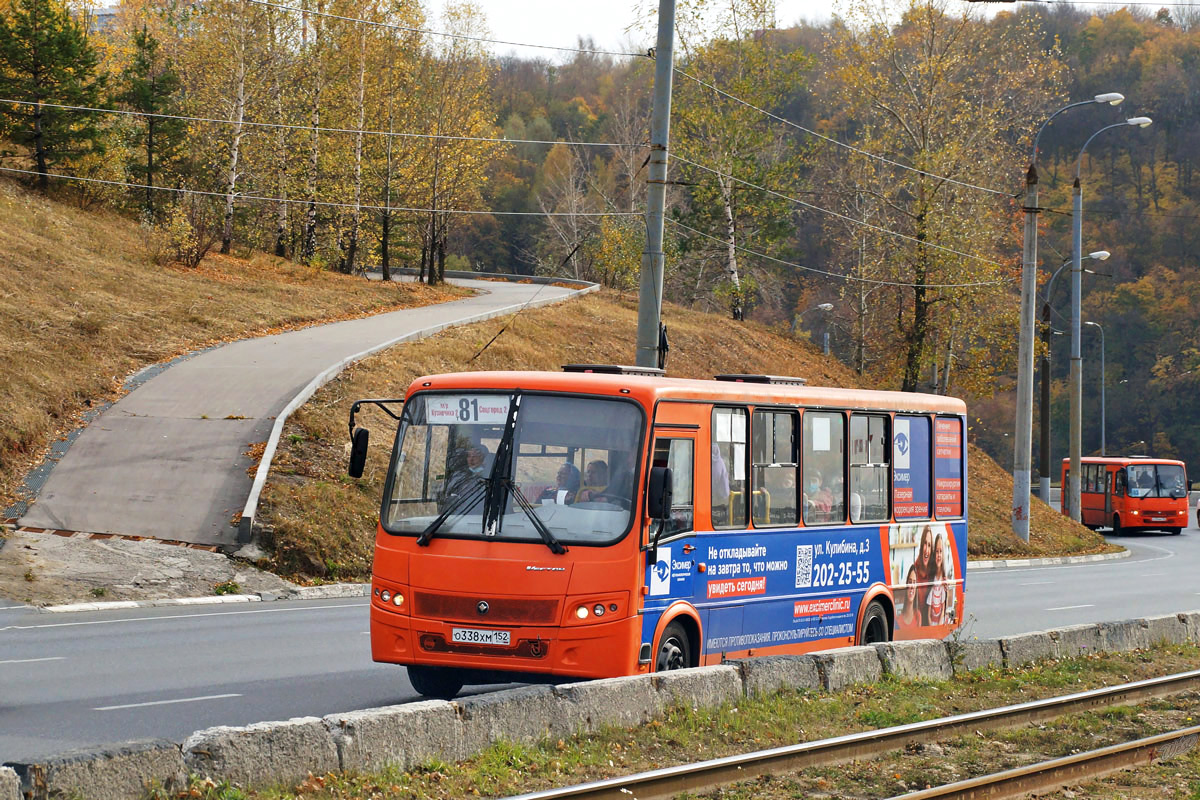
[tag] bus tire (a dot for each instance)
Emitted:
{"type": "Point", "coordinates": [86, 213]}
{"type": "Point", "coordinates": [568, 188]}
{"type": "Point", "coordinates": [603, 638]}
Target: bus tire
{"type": "Point", "coordinates": [674, 649]}
{"type": "Point", "coordinates": [874, 628]}
{"type": "Point", "coordinates": [1116, 526]}
{"type": "Point", "coordinates": [440, 683]}
{"type": "Point", "coordinates": [1174, 531]}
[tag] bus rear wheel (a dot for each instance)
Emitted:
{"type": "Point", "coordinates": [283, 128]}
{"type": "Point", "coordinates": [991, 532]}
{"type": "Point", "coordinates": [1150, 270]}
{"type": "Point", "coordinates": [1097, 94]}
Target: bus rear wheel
{"type": "Point", "coordinates": [441, 683]}
{"type": "Point", "coordinates": [674, 649]}
{"type": "Point", "coordinates": [874, 628]}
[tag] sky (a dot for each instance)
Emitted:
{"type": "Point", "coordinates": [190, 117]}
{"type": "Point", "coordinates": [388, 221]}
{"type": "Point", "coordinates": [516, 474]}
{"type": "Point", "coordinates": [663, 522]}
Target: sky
{"type": "Point", "coordinates": [561, 22]}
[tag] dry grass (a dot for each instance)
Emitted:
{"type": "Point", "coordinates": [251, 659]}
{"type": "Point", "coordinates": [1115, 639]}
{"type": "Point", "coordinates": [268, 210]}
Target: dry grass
{"type": "Point", "coordinates": [320, 524]}
{"type": "Point", "coordinates": [82, 306]}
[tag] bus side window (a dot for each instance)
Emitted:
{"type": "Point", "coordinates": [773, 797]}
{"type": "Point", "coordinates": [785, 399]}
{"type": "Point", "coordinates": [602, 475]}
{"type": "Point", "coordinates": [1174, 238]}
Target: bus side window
{"type": "Point", "coordinates": [869, 449]}
{"type": "Point", "coordinates": [729, 499]}
{"type": "Point", "coordinates": [677, 454]}
{"type": "Point", "coordinates": [773, 461]}
{"type": "Point", "coordinates": [823, 465]}
{"type": "Point", "coordinates": [1119, 483]}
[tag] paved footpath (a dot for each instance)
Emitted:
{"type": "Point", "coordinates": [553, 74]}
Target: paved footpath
{"type": "Point", "coordinates": [169, 459]}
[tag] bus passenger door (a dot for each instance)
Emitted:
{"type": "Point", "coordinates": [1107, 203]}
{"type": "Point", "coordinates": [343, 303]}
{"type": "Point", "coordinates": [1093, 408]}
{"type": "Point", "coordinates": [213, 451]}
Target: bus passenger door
{"type": "Point", "coordinates": [671, 575]}
{"type": "Point", "coordinates": [1109, 479]}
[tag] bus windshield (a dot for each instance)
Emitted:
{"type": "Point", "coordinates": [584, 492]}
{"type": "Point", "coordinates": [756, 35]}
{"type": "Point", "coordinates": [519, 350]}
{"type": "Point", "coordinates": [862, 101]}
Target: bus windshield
{"type": "Point", "coordinates": [571, 459]}
{"type": "Point", "coordinates": [1156, 480]}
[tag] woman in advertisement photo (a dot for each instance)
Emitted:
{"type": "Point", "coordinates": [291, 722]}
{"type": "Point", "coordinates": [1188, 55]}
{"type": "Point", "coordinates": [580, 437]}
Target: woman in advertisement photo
{"type": "Point", "coordinates": [939, 592]}
{"type": "Point", "coordinates": [925, 574]}
{"type": "Point", "coordinates": [910, 613]}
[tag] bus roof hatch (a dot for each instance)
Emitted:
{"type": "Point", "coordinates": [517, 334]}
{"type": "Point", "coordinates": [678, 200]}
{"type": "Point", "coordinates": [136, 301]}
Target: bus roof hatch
{"type": "Point", "coordinates": [779, 380]}
{"type": "Point", "coordinates": [614, 369]}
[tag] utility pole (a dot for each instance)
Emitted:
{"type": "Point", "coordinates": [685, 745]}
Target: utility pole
{"type": "Point", "coordinates": [650, 295]}
{"type": "Point", "coordinates": [1023, 444]}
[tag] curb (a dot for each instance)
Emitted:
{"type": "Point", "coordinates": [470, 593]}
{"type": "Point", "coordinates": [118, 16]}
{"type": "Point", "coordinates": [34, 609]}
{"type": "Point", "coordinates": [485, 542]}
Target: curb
{"type": "Point", "coordinates": [326, 592]}
{"type": "Point", "coordinates": [1045, 562]}
{"type": "Point", "coordinates": [246, 522]}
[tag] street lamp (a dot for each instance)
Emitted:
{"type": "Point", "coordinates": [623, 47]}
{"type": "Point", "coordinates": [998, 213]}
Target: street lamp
{"type": "Point", "coordinates": [1044, 481]}
{"type": "Point", "coordinates": [1100, 328]}
{"type": "Point", "coordinates": [1023, 441]}
{"type": "Point", "coordinates": [819, 307]}
{"type": "Point", "coordinates": [1076, 299]}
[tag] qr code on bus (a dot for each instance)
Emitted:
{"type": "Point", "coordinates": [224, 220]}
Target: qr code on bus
{"type": "Point", "coordinates": [804, 554]}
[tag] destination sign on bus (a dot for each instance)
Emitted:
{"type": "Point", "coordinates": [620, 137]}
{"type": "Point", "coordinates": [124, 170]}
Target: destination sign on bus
{"type": "Point", "coordinates": [467, 409]}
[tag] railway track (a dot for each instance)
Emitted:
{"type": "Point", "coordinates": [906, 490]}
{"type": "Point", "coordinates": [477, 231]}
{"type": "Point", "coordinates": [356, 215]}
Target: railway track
{"type": "Point", "coordinates": [706, 775]}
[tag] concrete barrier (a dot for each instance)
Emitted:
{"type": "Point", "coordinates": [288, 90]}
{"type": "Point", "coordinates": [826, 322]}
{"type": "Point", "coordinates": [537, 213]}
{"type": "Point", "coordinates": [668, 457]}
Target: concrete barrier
{"type": "Point", "coordinates": [972, 654]}
{"type": "Point", "coordinates": [623, 702]}
{"type": "Point", "coordinates": [1027, 648]}
{"type": "Point", "coordinates": [127, 771]}
{"type": "Point", "coordinates": [1166, 628]}
{"type": "Point", "coordinates": [701, 687]}
{"type": "Point", "coordinates": [848, 666]}
{"type": "Point", "coordinates": [1077, 640]}
{"type": "Point", "coordinates": [527, 714]}
{"type": "Point", "coordinates": [409, 735]}
{"type": "Point", "coordinates": [378, 737]}
{"type": "Point", "coordinates": [774, 673]}
{"type": "Point", "coordinates": [10, 784]}
{"type": "Point", "coordinates": [926, 658]}
{"type": "Point", "coordinates": [263, 753]}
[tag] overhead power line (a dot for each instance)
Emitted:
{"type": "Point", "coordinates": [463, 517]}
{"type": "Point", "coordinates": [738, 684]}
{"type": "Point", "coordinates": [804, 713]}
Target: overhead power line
{"type": "Point", "coordinates": [1112, 3]}
{"type": "Point", "coordinates": [464, 37]}
{"type": "Point", "coordinates": [310, 128]}
{"type": "Point", "coordinates": [325, 203]}
{"type": "Point", "coordinates": [833, 141]}
{"type": "Point", "coordinates": [836, 274]}
{"type": "Point", "coordinates": [840, 216]}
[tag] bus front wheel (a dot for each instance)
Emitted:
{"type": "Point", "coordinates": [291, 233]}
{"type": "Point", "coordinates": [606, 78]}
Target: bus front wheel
{"type": "Point", "coordinates": [674, 649]}
{"type": "Point", "coordinates": [1116, 526]}
{"type": "Point", "coordinates": [874, 625]}
{"type": "Point", "coordinates": [440, 683]}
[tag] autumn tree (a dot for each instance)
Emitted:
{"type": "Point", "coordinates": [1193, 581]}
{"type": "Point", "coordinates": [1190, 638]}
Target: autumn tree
{"type": "Point", "coordinates": [45, 57]}
{"type": "Point", "coordinates": [149, 85]}
{"type": "Point", "coordinates": [950, 100]}
{"type": "Point", "coordinates": [739, 164]}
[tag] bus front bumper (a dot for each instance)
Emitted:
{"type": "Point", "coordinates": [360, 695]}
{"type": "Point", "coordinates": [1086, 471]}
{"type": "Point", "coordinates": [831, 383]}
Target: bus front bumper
{"type": "Point", "coordinates": [598, 650]}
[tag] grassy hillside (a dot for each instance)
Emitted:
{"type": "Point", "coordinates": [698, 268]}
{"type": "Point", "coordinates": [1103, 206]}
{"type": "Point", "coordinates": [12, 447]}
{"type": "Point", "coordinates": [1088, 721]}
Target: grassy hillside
{"type": "Point", "coordinates": [320, 524]}
{"type": "Point", "coordinates": [82, 305]}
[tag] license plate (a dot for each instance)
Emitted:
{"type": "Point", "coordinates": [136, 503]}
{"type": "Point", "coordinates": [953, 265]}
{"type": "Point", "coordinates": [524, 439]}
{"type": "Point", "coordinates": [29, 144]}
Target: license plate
{"type": "Point", "coordinates": [475, 636]}
{"type": "Point", "coordinates": [1158, 519]}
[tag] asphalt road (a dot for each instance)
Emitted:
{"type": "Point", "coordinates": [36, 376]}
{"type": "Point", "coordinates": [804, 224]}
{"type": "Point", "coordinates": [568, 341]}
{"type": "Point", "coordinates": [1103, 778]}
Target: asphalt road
{"type": "Point", "coordinates": [71, 680]}
{"type": "Point", "coordinates": [169, 460]}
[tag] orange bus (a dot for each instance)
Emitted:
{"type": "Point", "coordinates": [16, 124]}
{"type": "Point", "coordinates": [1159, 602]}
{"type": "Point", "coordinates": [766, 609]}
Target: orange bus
{"type": "Point", "coordinates": [1131, 493]}
{"type": "Point", "coordinates": [609, 521]}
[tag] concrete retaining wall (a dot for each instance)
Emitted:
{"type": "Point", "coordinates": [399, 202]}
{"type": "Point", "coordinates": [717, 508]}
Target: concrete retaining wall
{"type": "Point", "coordinates": [415, 733]}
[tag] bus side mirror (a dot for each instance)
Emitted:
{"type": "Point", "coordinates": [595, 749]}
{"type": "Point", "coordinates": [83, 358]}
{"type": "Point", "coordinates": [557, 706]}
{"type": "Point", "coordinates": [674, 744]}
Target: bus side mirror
{"type": "Point", "coordinates": [658, 494]}
{"type": "Point", "coordinates": [358, 452]}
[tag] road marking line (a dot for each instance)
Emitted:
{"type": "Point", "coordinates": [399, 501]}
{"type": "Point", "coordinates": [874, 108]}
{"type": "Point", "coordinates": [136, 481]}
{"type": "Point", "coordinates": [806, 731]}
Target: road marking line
{"type": "Point", "coordinates": [1068, 608]}
{"type": "Point", "coordinates": [182, 616]}
{"type": "Point", "coordinates": [32, 660]}
{"type": "Point", "coordinates": [167, 702]}
{"type": "Point", "coordinates": [1037, 583]}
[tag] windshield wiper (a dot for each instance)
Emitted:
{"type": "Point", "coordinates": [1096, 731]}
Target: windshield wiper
{"type": "Point", "coordinates": [500, 478]}
{"type": "Point", "coordinates": [555, 546]}
{"type": "Point", "coordinates": [463, 501]}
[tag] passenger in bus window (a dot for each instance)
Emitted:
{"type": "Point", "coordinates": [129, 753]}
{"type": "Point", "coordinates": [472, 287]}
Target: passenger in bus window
{"type": "Point", "coordinates": [720, 487]}
{"type": "Point", "coordinates": [595, 481]}
{"type": "Point", "coordinates": [566, 488]}
{"type": "Point", "coordinates": [910, 613]}
{"type": "Point", "coordinates": [937, 593]}
{"type": "Point", "coordinates": [818, 500]}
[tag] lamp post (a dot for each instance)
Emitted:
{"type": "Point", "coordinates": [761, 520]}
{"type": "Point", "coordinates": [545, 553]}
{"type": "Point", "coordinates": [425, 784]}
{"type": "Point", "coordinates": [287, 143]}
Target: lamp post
{"type": "Point", "coordinates": [1076, 299]}
{"type": "Point", "coordinates": [819, 307]}
{"type": "Point", "coordinates": [1100, 328]}
{"type": "Point", "coordinates": [1044, 480]}
{"type": "Point", "coordinates": [1023, 440]}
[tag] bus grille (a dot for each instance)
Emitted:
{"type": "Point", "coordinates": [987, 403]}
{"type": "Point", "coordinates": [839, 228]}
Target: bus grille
{"type": "Point", "coordinates": [500, 610]}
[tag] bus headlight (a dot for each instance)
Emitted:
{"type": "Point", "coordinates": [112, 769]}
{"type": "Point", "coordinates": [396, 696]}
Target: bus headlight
{"type": "Point", "coordinates": [581, 612]}
{"type": "Point", "coordinates": [398, 600]}
{"type": "Point", "coordinates": [598, 610]}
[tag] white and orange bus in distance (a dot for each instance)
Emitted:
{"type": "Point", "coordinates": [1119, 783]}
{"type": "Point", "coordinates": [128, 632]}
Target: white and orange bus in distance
{"type": "Point", "coordinates": [608, 521]}
{"type": "Point", "coordinates": [1131, 493]}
